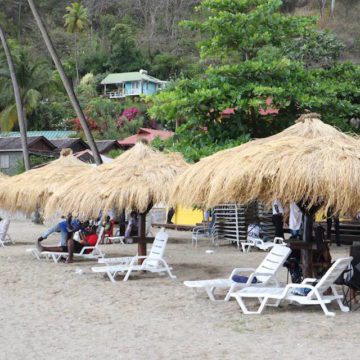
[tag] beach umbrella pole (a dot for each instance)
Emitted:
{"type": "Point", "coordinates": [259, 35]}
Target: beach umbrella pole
{"type": "Point", "coordinates": [142, 236]}
{"type": "Point", "coordinates": [306, 251]}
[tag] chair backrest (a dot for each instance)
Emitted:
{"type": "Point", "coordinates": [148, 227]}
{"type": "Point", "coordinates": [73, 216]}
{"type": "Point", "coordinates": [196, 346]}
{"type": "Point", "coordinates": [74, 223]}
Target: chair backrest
{"type": "Point", "coordinates": [273, 261]}
{"type": "Point", "coordinates": [157, 249]}
{"type": "Point", "coordinates": [100, 235]}
{"type": "Point", "coordinates": [331, 275]}
{"type": "Point", "coordinates": [4, 227]}
{"type": "Point", "coordinates": [353, 277]}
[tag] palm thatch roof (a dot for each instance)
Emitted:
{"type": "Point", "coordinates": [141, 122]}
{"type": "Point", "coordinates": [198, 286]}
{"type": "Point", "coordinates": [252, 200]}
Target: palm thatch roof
{"type": "Point", "coordinates": [134, 180]}
{"type": "Point", "coordinates": [310, 162]}
{"type": "Point", "coordinates": [30, 190]}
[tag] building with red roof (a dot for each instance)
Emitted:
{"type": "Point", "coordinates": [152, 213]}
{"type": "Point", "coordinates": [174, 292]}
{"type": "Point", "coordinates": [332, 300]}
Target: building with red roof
{"type": "Point", "coordinates": [145, 134]}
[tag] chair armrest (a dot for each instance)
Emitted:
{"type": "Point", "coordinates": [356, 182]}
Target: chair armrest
{"type": "Point", "coordinates": [136, 257]}
{"type": "Point", "coordinates": [239, 270]}
{"type": "Point", "coordinates": [308, 280]}
{"type": "Point", "coordinates": [86, 248]}
{"type": "Point", "coordinates": [254, 274]}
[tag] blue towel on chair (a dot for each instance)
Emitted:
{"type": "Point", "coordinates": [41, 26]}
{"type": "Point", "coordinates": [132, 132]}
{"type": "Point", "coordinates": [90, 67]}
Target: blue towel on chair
{"type": "Point", "coordinates": [243, 279]}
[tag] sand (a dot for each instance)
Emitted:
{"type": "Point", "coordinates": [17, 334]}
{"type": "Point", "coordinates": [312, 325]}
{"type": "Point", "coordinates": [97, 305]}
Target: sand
{"type": "Point", "coordinates": [49, 311]}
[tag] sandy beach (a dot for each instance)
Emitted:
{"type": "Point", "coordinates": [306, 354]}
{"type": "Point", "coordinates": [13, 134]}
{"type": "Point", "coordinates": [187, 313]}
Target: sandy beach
{"type": "Point", "coordinates": [50, 311]}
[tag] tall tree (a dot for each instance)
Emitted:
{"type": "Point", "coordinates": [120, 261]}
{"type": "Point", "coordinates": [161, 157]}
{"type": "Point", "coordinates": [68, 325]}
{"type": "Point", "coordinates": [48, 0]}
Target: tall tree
{"type": "Point", "coordinates": [35, 82]}
{"type": "Point", "coordinates": [76, 19]}
{"type": "Point", "coordinates": [68, 87]}
{"type": "Point", "coordinates": [19, 106]}
{"type": "Point", "coordinates": [251, 68]}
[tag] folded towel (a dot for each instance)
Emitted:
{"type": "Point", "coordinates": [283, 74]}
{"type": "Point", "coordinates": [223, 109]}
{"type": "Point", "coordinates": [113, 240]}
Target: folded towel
{"type": "Point", "coordinates": [243, 279]}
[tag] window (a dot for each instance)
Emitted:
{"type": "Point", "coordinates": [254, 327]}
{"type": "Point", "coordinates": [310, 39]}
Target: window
{"type": "Point", "coordinates": [135, 85]}
{"type": "Point", "coordinates": [4, 161]}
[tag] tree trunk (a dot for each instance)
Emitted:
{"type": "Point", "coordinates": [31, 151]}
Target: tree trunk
{"type": "Point", "coordinates": [332, 8]}
{"type": "Point", "coordinates": [69, 89]}
{"type": "Point", "coordinates": [77, 60]}
{"type": "Point", "coordinates": [19, 107]}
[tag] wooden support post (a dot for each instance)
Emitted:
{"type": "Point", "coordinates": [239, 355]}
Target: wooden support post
{"type": "Point", "coordinates": [306, 254]}
{"type": "Point", "coordinates": [142, 236]}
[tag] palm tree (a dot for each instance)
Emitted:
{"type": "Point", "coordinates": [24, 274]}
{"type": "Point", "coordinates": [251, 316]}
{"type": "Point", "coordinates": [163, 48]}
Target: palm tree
{"type": "Point", "coordinates": [19, 106]}
{"type": "Point", "coordinates": [34, 80]}
{"type": "Point", "coordinates": [69, 89]}
{"type": "Point", "coordinates": [76, 19]}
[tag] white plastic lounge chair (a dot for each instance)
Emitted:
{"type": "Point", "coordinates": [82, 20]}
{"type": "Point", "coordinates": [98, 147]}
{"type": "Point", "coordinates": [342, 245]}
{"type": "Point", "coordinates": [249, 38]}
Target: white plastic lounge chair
{"type": "Point", "coordinates": [202, 231]}
{"type": "Point", "coordinates": [154, 262]}
{"type": "Point", "coordinates": [260, 244]}
{"type": "Point", "coordinates": [265, 273]}
{"type": "Point", "coordinates": [95, 252]}
{"type": "Point", "coordinates": [5, 238]}
{"type": "Point", "coordinates": [315, 296]}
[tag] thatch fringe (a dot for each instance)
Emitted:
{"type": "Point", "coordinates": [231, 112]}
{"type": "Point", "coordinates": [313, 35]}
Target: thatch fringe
{"type": "Point", "coordinates": [310, 162]}
{"type": "Point", "coordinates": [136, 179]}
{"type": "Point", "coordinates": [30, 190]}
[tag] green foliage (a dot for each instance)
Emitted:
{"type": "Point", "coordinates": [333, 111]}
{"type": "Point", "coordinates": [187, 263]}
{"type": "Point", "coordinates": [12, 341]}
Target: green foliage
{"type": "Point", "coordinates": [257, 60]}
{"type": "Point", "coordinates": [239, 29]}
{"type": "Point", "coordinates": [35, 80]}
{"type": "Point", "coordinates": [124, 56]}
{"type": "Point", "coordinates": [114, 153]}
{"type": "Point", "coordinates": [35, 160]}
{"type": "Point", "coordinates": [196, 148]}
{"type": "Point", "coordinates": [76, 18]}
{"type": "Point", "coordinates": [317, 48]}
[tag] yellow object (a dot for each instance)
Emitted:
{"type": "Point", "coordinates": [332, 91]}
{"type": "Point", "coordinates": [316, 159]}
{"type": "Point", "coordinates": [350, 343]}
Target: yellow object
{"type": "Point", "coordinates": [186, 216]}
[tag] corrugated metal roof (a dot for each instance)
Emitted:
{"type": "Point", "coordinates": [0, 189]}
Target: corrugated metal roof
{"type": "Point", "coordinates": [58, 134]}
{"type": "Point", "coordinates": [104, 145]}
{"type": "Point", "coordinates": [129, 76]}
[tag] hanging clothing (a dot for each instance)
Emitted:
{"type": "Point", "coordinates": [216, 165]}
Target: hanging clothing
{"type": "Point", "coordinates": [295, 217]}
{"type": "Point", "coordinates": [277, 207]}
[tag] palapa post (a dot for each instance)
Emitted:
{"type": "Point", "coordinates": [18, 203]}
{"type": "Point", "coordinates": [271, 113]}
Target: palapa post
{"type": "Point", "coordinates": [311, 163]}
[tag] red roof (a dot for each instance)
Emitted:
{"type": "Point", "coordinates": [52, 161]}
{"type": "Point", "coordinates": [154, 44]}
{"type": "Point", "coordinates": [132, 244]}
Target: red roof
{"type": "Point", "coordinates": [268, 111]}
{"type": "Point", "coordinates": [145, 134]}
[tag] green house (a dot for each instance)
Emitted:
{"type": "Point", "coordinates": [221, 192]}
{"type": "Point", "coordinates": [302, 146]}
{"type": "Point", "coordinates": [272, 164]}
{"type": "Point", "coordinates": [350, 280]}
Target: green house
{"type": "Point", "coordinates": [120, 85]}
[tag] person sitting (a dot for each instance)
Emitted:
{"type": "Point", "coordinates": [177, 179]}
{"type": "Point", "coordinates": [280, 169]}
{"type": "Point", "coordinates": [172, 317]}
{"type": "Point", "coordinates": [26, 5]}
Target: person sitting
{"type": "Point", "coordinates": [67, 228]}
{"type": "Point", "coordinates": [87, 237]}
{"type": "Point", "coordinates": [109, 227]}
{"type": "Point", "coordinates": [63, 227]}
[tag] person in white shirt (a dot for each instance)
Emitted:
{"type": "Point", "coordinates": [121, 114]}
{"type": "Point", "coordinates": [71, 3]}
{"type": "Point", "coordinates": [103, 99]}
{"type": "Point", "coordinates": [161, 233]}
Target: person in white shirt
{"type": "Point", "coordinates": [278, 218]}
{"type": "Point", "coordinates": [295, 220]}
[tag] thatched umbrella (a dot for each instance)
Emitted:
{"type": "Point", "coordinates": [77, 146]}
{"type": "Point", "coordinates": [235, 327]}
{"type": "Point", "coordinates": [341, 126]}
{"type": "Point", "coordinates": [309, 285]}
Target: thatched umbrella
{"type": "Point", "coordinates": [310, 163]}
{"type": "Point", "coordinates": [30, 190]}
{"type": "Point", "coordinates": [136, 180]}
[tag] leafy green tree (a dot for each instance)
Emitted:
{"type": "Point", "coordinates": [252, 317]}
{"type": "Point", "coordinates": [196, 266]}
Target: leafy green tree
{"type": "Point", "coordinates": [35, 82]}
{"type": "Point", "coordinates": [124, 56]}
{"type": "Point", "coordinates": [315, 49]}
{"type": "Point", "coordinates": [76, 20]}
{"type": "Point", "coordinates": [253, 68]}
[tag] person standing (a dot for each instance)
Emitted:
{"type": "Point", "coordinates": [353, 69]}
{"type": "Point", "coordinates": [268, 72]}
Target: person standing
{"type": "Point", "coordinates": [295, 220]}
{"type": "Point", "coordinates": [278, 218]}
